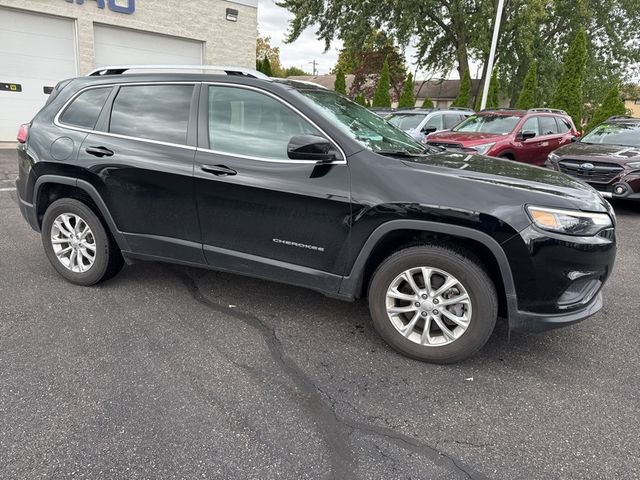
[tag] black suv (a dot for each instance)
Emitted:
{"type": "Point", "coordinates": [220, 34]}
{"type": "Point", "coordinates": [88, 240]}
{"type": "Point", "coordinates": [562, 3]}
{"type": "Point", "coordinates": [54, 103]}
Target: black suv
{"type": "Point", "coordinates": [291, 182]}
{"type": "Point", "coordinates": [607, 158]}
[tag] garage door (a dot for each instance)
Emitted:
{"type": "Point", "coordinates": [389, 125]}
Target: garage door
{"type": "Point", "coordinates": [36, 51]}
{"type": "Point", "coordinates": [119, 46]}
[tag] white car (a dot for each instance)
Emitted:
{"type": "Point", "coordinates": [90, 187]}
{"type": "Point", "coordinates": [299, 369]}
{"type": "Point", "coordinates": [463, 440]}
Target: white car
{"type": "Point", "coordinates": [420, 122]}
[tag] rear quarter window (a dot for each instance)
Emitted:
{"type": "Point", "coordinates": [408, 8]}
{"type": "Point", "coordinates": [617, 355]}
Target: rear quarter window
{"type": "Point", "coordinates": [85, 109]}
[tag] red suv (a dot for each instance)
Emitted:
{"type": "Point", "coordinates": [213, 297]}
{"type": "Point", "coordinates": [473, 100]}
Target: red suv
{"type": "Point", "coordinates": [524, 135]}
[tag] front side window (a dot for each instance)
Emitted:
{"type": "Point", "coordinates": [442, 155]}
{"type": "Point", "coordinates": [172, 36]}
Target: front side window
{"type": "Point", "coordinates": [153, 112]}
{"type": "Point", "coordinates": [85, 109]}
{"type": "Point", "coordinates": [531, 125]}
{"type": "Point", "coordinates": [499, 124]}
{"type": "Point", "coordinates": [405, 121]}
{"type": "Point", "coordinates": [250, 123]}
{"type": "Point", "coordinates": [434, 122]}
{"type": "Point", "coordinates": [624, 134]}
{"type": "Point", "coordinates": [364, 126]}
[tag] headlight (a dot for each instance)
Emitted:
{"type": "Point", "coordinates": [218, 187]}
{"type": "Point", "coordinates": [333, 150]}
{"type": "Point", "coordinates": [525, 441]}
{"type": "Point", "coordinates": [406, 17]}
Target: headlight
{"type": "Point", "coordinates": [553, 157]}
{"type": "Point", "coordinates": [569, 222]}
{"type": "Point", "coordinates": [633, 164]}
{"type": "Point", "coordinates": [484, 148]}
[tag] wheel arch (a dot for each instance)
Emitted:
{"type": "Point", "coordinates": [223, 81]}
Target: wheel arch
{"type": "Point", "coordinates": [399, 234]}
{"type": "Point", "coordinates": [51, 187]}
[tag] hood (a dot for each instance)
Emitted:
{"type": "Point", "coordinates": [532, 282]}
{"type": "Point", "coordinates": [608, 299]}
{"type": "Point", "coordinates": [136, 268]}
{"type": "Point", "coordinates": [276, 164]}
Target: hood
{"type": "Point", "coordinates": [466, 138]}
{"type": "Point", "coordinates": [597, 151]}
{"type": "Point", "coordinates": [557, 189]}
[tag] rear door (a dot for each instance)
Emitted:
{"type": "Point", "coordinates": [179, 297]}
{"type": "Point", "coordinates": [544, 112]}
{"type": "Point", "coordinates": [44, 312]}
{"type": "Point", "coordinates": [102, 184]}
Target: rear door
{"type": "Point", "coordinates": [140, 158]}
{"type": "Point", "coordinates": [260, 212]}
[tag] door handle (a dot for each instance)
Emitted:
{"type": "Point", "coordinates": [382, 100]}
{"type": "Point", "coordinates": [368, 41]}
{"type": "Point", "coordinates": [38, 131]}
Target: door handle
{"type": "Point", "coordinates": [218, 170]}
{"type": "Point", "coordinates": [99, 151]}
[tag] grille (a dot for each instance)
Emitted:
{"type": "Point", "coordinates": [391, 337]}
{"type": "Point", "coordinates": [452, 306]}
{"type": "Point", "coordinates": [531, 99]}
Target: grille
{"type": "Point", "coordinates": [600, 173]}
{"type": "Point", "coordinates": [445, 145]}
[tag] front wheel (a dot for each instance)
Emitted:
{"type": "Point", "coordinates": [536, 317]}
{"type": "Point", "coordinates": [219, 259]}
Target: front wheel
{"type": "Point", "coordinates": [433, 303]}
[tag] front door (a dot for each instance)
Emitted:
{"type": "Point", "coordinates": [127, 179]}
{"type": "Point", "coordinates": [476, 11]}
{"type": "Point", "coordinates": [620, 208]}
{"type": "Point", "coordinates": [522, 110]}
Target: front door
{"type": "Point", "coordinates": [260, 212]}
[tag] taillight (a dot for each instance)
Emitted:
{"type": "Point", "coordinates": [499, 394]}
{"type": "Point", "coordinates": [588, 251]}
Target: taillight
{"type": "Point", "coordinates": [23, 133]}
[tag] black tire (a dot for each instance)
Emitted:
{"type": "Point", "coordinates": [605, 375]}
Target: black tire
{"type": "Point", "coordinates": [463, 266]}
{"type": "Point", "coordinates": [108, 259]}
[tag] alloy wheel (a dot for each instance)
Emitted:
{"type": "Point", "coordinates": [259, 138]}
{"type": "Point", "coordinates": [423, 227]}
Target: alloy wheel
{"type": "Point", "coordinates": [73, 242]}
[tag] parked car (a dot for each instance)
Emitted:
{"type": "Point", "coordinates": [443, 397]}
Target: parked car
{"type": "Point", "coordinates": [295, 183]}
{"type": "Point", "coordinates": [420, 122]}
{"type": "Point", "coordinates": [607, 158]}
{"type": "Point", "coordinates": [526, 136]}
{"type": "Point", "coordinates": [382, 111]}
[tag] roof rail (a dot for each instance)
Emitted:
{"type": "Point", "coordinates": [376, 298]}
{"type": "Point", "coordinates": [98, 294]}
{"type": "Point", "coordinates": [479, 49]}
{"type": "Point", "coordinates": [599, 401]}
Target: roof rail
{"type": "Point", "coordinates": [462, 109]}
{"type": "Point", "coordinates": [499, 109]}
{"type": "Point", "coordinates": [229, 70]}
{"type": "Point", "coordinates": [548, 110]}
{"type": "Point", "coordinates": [619, 117]}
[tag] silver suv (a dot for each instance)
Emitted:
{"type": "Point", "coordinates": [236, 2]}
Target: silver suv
{"type": "Point", "coordinates": [420, 122]}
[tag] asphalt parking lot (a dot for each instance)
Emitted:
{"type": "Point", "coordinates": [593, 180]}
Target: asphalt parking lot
{"type": "Point", "coordinates": [172, 372]}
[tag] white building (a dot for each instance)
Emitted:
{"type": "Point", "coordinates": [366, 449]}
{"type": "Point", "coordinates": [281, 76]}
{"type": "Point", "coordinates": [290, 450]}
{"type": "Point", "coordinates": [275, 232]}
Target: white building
{"type": "Point", "coordinates": [45, 41]}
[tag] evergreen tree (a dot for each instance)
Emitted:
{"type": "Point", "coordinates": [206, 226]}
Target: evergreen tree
{"type": "Point", "coordinates": [381, 97]}
{"type": "Point", "coordinates": [427, 103]}
{"type": "Point", "coordinates": [527, 98]}
{"type": "Point", "coordinates": [613, 104]}
{"type": "Point", "coordinates": [266, 67]}
{"type": "Point", "coordinates": [464, 96]}
{"type": "Point", "coordinates": [569, 92]}
{"type": "Point", "coordinates": [407, 100]}
{"type": "Point", "coordinates": [259, 64]}
{"type": "Point", "coordinates": [360, 100]}
{"type": "Point", "coordinates": [340, 84]}
{"type": "Point", "coordinates": [493, 99]}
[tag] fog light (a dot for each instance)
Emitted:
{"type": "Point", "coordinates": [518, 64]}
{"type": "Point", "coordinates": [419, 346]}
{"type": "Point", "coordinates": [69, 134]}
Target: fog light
{"type": "Point", "coordinates": [620, 189]}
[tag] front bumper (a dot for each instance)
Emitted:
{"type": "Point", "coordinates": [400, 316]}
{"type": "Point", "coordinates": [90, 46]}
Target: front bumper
{"type": "Point", "coordinates": [537, 322]}
{"type": "Point", "coordinates": [558, 278]}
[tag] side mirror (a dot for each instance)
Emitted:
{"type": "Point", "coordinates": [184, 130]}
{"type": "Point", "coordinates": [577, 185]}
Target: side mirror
{"type": "Point", "coordinates": [311, 147]}
{"type": "Point", "coordinates": [575, 139]}
{"type": "Point", "coordinates": [428, 130]}
{"type": "Point", "coordinates": [527, 134]}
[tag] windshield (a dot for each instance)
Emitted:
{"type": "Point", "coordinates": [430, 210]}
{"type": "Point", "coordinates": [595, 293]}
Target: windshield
{"type": "Point", "coordinates": [370, 130]}
{"type": "Point", "coordinates": [405, 121]}
{"type": "Point", "coordinates": [498, 124]}
{"type": "Point", "coordinates": [624, 134]}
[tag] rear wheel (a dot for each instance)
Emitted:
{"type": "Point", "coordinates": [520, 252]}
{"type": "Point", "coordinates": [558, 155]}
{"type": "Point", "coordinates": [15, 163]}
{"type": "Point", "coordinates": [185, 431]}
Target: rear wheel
{"type": "Point", "coordinates": [77, 244]}
{"type": "Point", "coordinates": [433, 303]}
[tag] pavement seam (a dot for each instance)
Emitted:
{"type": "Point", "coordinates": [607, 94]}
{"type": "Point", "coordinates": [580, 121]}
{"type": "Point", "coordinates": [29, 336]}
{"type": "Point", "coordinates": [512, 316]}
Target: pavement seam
{"type": "Point", "coordinates": [328, 421]}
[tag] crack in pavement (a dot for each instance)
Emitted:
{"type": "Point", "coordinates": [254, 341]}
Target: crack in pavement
{"type": "Point", "coordinates": [334, 428]}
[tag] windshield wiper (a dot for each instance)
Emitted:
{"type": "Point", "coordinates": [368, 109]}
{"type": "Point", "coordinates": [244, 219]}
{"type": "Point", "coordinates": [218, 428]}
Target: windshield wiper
{"type": "Point", "coordinates": [398, 153]}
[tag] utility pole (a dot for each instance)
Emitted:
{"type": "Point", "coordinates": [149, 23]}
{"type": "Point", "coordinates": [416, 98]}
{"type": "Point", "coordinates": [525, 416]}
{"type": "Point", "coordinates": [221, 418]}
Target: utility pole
{"type": "Point", "coordinates": [492, 55]}
{"type": "Point", "coordinates": [315, 69]}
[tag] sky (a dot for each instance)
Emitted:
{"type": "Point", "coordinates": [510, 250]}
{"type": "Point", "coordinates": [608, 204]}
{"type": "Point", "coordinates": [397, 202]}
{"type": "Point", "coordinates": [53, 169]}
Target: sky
{"type": "Point", "coordinates": [273, 22]}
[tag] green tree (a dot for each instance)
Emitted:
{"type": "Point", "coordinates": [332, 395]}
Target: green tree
{"type": "Point", "coordinates": [527, 98]}
{"type": "Point", "coordinates": [265, 50]}
{"type": "Point", "coordinates": [340, 84]}
{"type": "Point", "coordinates": [427, 103]}
{"type": "Point", "coordinates": [613, 104]}
{"type": "Point", "coordinates": [295, 72]}
{"type": "Point", "coordinates": [464, 95]}
{"type": "Point", "coordinates": [259, 64]}
{"type": "Point", "coordinates": [493, 96]}
{"type": "Point", "coordinates": [569, 92]}
{"type": "Point", "coordinates": [266, 67]}
{"type": "Point", "coordinates": [381, 97]}
{"type": "Point", "coordinates": [407, 100]}
{"type": "Point", "coordinates": [361, 100]}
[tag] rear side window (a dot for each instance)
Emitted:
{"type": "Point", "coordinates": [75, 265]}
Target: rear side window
{"type": "Point", "coordinates": [548, 126]}
{"type": "Point", "coordinates": [154, 112]}
{"type": "Point", "coordinates": [85, 109]}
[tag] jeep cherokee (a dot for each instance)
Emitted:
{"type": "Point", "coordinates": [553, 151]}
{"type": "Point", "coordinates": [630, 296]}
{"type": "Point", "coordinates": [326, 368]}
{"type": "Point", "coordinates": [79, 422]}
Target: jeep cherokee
{"type": "Point", "coordinates": [227, 169]}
